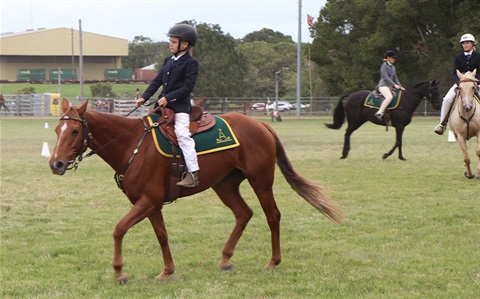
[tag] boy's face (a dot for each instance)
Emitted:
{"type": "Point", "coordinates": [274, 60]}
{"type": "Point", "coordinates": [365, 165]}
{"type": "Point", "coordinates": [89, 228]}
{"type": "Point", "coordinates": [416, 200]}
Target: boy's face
{"type": "Point", "coordinates": [174, 41]}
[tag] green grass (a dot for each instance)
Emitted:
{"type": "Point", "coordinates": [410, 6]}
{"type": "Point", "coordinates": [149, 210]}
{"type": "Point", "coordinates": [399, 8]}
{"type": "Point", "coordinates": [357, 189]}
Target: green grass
{"type": "Point", "coordinates": [71, 91]}
{"type": "Point", "coordinates": [411, 229]}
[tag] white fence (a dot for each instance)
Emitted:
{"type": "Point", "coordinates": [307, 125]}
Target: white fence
{"type": "Point", "coordinates": [42, 105]}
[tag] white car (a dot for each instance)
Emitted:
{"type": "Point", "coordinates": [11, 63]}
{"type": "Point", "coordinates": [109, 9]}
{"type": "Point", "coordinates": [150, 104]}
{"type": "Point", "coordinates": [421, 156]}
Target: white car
{"type": "Point", "coordinates": [294, 106]}
{"type": "Point", "coordinates": [282, 106]}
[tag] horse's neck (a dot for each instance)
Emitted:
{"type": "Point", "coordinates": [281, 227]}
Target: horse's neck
{"type": "Point", "coordinates": [414, 99]}
{"type": "Point", "coordinates": [106, 127]}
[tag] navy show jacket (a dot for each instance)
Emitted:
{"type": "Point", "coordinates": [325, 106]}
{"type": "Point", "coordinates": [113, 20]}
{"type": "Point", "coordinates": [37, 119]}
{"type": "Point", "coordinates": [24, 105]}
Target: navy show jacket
{"type": "Point", "coordinates": [178, 80]}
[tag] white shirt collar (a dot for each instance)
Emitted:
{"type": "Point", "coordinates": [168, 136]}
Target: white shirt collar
{"type": "Point", "coordinates": [177, 57]}
{"type": "Point", "coordinates": [468, 53]}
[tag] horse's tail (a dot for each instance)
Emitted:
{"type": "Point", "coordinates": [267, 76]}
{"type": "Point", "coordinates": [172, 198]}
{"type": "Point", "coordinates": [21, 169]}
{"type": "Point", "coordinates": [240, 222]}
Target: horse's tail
{"type": "Point", "coordinates": [338, 115]}
{"type": "Point", "coordinates": [310, 191]}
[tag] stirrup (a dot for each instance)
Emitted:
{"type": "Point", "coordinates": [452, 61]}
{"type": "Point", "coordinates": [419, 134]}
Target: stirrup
{"type": "Point", "coordinates": [189, 179]}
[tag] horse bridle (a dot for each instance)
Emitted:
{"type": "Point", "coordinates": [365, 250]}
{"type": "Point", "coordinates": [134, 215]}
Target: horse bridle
{"type": "Point", "coordinates": [467, 121]}
{"type": "Point", "coordinates": [88, 141]}
{"type": "Point", "coordinates": [73, 164]}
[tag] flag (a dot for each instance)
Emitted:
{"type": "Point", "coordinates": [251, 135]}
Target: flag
{"type": "Point", "coordinates": [310, 21]}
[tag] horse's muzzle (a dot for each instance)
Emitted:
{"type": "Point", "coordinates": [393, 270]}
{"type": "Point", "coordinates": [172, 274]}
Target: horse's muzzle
{"type": "Point", "coordinates": [467, 108]}
{"type": "Point", "coordinates": [58, 167]}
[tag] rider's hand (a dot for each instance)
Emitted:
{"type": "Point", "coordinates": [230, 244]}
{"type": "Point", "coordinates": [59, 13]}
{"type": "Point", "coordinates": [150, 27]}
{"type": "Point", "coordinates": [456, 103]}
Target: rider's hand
{"type": "Point", "coordinates": [140, 102]}
{"type": "Point", "coordinates": [162, 102]}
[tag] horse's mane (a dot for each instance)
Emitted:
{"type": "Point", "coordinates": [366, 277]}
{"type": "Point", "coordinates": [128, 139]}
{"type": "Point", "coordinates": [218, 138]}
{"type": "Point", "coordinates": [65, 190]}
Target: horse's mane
{"type": "Point", "coordinates": [418, 85]}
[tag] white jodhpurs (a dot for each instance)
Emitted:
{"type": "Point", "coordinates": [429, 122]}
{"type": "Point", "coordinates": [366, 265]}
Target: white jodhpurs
{"type": "Point", "coordinates": [186, 143]}
{"type": "Point", "coordinates": [387, 93]}
{"type": "Point", "coordinates": [447, 102]}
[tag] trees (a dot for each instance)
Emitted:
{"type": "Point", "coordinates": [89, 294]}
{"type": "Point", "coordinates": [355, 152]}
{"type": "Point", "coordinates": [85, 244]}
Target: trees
{"type": "Point", "coordinates": [350, 38]}
{"type": "Point", "coordinates": [142, 51]}
{"type": "Point", "coordinates": [222, 67]}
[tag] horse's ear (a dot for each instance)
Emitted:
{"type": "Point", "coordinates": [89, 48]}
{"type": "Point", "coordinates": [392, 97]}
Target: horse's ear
{"type": "Point", "coordinates": [83, 108]}
{"type": "Point", "coordinates": [474, 73]}
{"type": "Point", "coordinates": [65, 105]}
{"type": "Point", "coordinates": [459, 74]}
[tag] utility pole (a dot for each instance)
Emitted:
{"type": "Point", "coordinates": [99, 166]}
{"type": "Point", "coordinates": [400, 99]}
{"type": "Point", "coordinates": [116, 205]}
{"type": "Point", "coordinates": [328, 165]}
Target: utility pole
{"type": "Point", "coordinates": [81, 60]}
{"type": "Point", "coordinates": [299, 57]}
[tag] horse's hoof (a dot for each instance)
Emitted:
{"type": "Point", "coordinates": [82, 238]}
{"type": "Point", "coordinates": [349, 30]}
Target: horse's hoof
{"type": "Point", "coordinates": [478, 177]}
{"type": "Point", "coordinates": [227, 267]}
{"type": "Point", "coordinates": [123, 280]}
{"type": "Point", "coordinates": [343, 157]}
{"type": "Point", "coordinates": [467, 176]}
{"type": "Point", "coordinates": [385, 156]}
{"type": "Point", "coordinates": [402, 158]}
{"type": "Point", "coordinates": [163, 277]}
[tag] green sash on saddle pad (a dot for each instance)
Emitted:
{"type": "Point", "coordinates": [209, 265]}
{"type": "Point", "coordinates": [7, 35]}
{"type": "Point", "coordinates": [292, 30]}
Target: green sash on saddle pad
{"type": "Point", "coordinates": [218, 138]}
{"type": "Point", "coordinates": [374, 102]}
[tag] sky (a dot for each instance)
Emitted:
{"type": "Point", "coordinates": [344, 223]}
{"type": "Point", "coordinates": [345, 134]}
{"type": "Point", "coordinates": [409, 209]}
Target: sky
{"type": "Point", "coordinates": [152, 18]}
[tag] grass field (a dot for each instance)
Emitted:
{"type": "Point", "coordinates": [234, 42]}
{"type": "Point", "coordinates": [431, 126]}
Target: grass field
{"type": "Point", "coordinates": [411, 229]}
{"type": "Point", "coordinates": [71, 91]}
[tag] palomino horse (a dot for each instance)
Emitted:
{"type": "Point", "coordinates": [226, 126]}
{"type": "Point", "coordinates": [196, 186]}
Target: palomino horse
{"type": "Point", "coordinates": [464, 119]}
{"type": "Point", "coordinates": [146, 183]}
{"type": "Point", "coordinates": [357, 113]}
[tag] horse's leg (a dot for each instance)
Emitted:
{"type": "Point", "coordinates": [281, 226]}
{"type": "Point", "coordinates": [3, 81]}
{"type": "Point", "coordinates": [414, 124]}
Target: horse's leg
{"type": "Point", "coordinates": [228, 191]}
{"type": "Point", "coordinates": [160, 231]}
{"type": "Point", "coordinates": [478, 156]}
{"type": "Point", "coordinates": [350, 129]}
{"type": "Point", "coordinates": [466, 158]}
{"type": "Point", "coordinates": [140, 210]}
{"type": "Point", "coordinates": [262, 185]}
{"type": "Point", "coordinates": [398, 143]}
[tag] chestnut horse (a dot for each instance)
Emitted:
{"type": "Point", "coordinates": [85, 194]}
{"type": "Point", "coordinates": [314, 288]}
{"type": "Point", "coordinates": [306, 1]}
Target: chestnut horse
{"type": "Point", "coordinates": [146, 178]}
{"type": "Point", "coordinates": [464, 119]}
{"type": "Point", "coordinates": [357, 113]}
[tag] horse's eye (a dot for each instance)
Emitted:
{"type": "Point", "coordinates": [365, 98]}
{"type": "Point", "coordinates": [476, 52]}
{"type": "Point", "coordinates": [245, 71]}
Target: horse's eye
{"type": "Point", "coordinates": [75, 132]}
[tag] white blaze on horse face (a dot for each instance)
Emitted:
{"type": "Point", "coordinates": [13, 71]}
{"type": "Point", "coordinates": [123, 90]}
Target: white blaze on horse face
{"type": "Point", "coordinates": [62, 130]}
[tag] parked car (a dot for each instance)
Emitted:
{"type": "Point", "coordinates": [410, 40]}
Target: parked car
{"type": "Point", "coordinates": [259, 107]}
{"type": "Point", "coordinates": [282, 106]}
{"type": "Point", "coordinates": [294, 106]}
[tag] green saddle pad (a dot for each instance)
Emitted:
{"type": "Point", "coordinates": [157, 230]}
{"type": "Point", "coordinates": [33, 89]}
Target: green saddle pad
{"type": "Point", "coordinates": [374, 102]}
{"type": "Point", "coordinates": [218, 138]}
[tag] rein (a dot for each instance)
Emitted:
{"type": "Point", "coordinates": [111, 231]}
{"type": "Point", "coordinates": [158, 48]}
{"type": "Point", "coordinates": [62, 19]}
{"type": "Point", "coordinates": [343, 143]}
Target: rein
{"type": "Point", "coordinates": [465, 120]}
{"type": "Point", "coordinates": [119, 177]}
{"type": "Point", "coordinates": [88, 141]}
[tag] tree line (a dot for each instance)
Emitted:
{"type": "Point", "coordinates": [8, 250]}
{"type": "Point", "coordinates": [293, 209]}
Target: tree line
{"type": "Point", "coordinates": [349, 39]}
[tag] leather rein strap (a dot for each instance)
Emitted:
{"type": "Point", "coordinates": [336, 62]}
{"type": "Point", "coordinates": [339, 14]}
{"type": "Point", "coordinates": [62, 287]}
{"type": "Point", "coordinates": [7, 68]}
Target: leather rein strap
{"type": "Point", "coordinates": [467, 121]}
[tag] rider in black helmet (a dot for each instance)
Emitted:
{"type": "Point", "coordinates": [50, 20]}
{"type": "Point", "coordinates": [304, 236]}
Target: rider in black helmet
{"type": "Point", "coordinates": [177, 76]}
{"type": "Point", "coordinates": [185, 33]}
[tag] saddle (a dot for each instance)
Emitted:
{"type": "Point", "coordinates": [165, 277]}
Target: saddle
{"type": "Point", "coordinates": [199, 122]}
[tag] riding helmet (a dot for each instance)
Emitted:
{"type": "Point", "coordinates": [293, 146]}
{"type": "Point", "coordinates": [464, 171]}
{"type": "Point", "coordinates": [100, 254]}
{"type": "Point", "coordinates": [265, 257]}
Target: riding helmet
{"type": "Point", "coordinates": [184, 32]}
{"type": "Point", "coordinates": [390, 53]}
{"type": "Point", "coordinates": [467, 38]}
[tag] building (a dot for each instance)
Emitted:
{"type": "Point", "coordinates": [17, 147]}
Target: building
{"type": "Point", "coordinates": [38, 55]}
{"type": "Point", "coordinates": [146, 73]}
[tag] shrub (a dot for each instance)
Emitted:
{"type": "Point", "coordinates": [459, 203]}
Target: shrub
{"type": "Point", "coordinates": [103, 90]}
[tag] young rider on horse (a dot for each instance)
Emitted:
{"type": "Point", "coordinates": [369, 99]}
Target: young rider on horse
{"type": "Point", "coordinates": [388, 82]}
{"type": "Point", "coordinates": [465, 61]}
{"type": "Point", "coordinates": [177, 76]}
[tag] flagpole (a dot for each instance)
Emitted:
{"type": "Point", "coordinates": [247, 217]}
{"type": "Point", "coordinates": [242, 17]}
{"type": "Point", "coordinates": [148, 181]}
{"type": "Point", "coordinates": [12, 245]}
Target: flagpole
{"type": "Point", "coordinates": [299, 56]}
{"type": "Point", "coordinates": [310, 73]}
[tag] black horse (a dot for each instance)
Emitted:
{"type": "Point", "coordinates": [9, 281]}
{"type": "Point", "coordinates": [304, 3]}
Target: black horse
{"type": "Point", "coordinates": [357, 113]}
